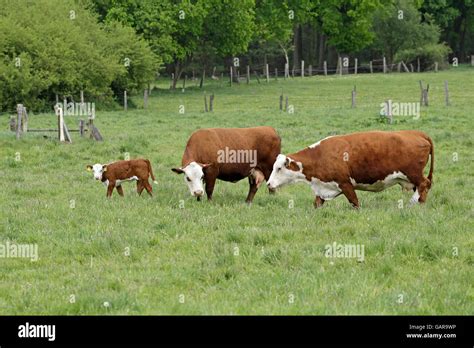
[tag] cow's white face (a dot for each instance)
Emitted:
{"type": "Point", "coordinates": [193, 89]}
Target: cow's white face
{"type": "Point", "coordinates": [285, 171]}
{"type": "Point", "coordinates": [193, 177]}
{"type": "Point", "coordinates": [97, 169]}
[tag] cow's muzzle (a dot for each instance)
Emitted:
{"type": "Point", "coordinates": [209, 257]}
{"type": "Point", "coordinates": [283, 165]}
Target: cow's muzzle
{"type": "Point", "coordinates": [198, 193]}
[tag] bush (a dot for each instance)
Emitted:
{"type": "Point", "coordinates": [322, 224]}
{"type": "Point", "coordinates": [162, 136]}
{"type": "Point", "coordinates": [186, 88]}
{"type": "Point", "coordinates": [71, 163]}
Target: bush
{"type": "Point", "coordinates": [428, 55]}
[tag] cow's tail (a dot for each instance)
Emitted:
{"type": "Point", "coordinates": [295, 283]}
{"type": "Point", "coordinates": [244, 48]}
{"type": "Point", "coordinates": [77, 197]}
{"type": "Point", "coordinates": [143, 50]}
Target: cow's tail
{"type": "Point", "coordinates": [430, 174]}
{"type": "Point", "coordinates": [150, 169]}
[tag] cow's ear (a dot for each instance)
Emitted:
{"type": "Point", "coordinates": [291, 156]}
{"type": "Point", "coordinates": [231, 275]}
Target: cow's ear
{"type": "Point", "coordinates": [287, 162]}
{"type": "Point", "coordinates": [89, 168]}
{"type": "Point", "coordinates": [104, 168]}
{"type": "Point", "coordinates": [177, 170]}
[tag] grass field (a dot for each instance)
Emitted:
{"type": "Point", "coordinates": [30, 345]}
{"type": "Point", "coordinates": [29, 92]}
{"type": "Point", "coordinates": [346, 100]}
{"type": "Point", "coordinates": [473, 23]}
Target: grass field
{"type": "Point", "coordinates": [142, 255]}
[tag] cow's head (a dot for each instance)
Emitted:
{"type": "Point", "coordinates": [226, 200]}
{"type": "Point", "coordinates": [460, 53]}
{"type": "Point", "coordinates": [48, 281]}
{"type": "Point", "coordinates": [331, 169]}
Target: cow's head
{"type": "Point", "coordinates": [193, 176]}
{"type": "Point", "coordinates": [285, 171]}
{"type": "Point", "coordinates": [98, 169]}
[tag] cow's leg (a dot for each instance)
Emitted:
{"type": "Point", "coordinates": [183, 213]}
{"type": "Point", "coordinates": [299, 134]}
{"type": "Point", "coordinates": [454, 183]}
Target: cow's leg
{"type": "Point", "coordinates": [348, 191]}
{"type": "Point", "coordinates": [210, 183]}
{"type": "Point", "coordinates": [318, 202]}
{"type": "Point", "coordinates": [120, 190]}
{"type": "Point", "coordinates": [252, 190]}
{"type": "Point", "coordinates": [148, 187]}
{"type": "Point", "coordinates": [140, 187]}
{"type": "Point", "coordinates": [110, 188]}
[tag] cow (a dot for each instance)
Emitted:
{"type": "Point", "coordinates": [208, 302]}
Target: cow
{"type": "Point", "coordinates": [229, 154]}
{"type": "Point", "coordinates": [114, 174]}
{"type": "Point", "coordinates": [367, 161]}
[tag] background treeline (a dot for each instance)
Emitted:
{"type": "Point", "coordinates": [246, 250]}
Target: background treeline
{"type": "Point", "coordinates": [103, 47]}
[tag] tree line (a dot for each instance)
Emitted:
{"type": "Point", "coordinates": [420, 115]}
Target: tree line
{"type": "Point", "coordinates": [59, 47]}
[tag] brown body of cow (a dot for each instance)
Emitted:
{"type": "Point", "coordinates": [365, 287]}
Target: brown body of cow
{"type": "Point", "coordinates": [369, 161]}
{"type": "Point", "coordinates": [114, 174]}
{"type": "Point", "coordinates": [203, 149]}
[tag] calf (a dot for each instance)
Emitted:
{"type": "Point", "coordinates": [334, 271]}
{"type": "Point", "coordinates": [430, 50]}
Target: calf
{"type": "Point", "coordinates": [229, 154]}
{"type": "Point", "coordinates": [368, 161]}
{"type": "Point", "coordinates": [114, 174]}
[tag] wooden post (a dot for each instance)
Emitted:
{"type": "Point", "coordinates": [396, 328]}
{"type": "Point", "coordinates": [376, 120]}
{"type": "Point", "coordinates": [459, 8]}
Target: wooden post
{"type": "Point", "coordinates": [267, 73]}
{"type": "Point", "coordinates": [57, 99]}
{"type": "Point", "coordinates": [287, 70]}
{"type": "Point", "coordinates": [310, 70]}
{"type": "Point", "coordinates": [125, 101]}
{"type": "Point", "coordinates": [24, 121]}
{"type": "Point", "coordinates": [81, 128]}
{"type": "Point", "coordinates": [293, 72]}
{"type": "Point", "coordinates": [276, 74]}
{"type": "Point", "coordinates": [302, 68]}
{"type": "Point", "coordinates": [60, 123]}
{"type": "Point", "coordinates": [384, 65]}
{"type": "Point", "coordinates": [355, 66]}
{"type": "Point", "coordinates": [339, 64]}
{"type": "Point", "coordinates": [256, 75]}
{"type": "Point", "coordinates": [325, 65]}
{"type": "Point", "coordinates": [446, 92]}
{"type": "Point", "coordinates": [172, 80]}
{"type": "Point", "coordinates": [205, 103]}
{"type": "Point", "coordinates": [281, 102]}
{"type": "Point", "coordinates": [231, 76]}
{"type": "Point", "coordinates": [424, 94]}
{"type": "Point", "coordinates": [371, 67]}
{"type": "Point", "coordinates": [412, 68]}
{"type": "Point", "coordinates": [354, 97]}
{"type": "Point", "coordinates": [472, 60]}
{"type": "Point", "coordinates": [418, 63]}
{"type": "Point", "coordinates": [436, 66]}
{"type": "Point", "coordinates": [19, 111]}
{"type": "Point", "coordinates": [202, 78]}
{"type": "Point", "coordinates": [248, 74]}
{"type": "Point", "coordinates": [184, 82]}
{"type": "Point", "coordinates": [211, 102]}
{"type": "Point", "coordinates": [399, 66]}
{"type": "Point", "coordinates": [82, 98]}
{"type": "Point", "coordinates": [145, 98]}
{"type": "Point", "coordinates": [286, 104]}
{"type": "Point", "coordinates": [405, 66]}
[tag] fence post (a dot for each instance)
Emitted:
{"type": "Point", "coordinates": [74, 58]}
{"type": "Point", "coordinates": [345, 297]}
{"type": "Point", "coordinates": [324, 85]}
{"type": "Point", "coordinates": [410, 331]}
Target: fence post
{"type": "Point", "coordinates": [446, 92]}
{"type": "Point", "coordinates": [205, 103]}
{"type": "Point", "coordinates": [472, 60]}
{"type": "Point", "coordinates": [355, 66]}
{"type": "Point", "coordinates": [325, 65]}
{"type": "Point", "coordinates": [145, 98]}
{"type": "Point", "coordinates": [281, 102]}
{"type": "Point", "coordinates": [384, 65]}
{"type": "Point", "coordinates": [436, 66]}
{"type": "Point", "coordinates": [267, 73]}
{"type": "Point", "coordinates": [171, 81]}
{"type": "Point", "coordinates": [276, 74]}
{"type": "Point", "coordinates": [211, 102]}
{"type": "Point", "coordinates": [302, 68]}
{"type": "Point", "coordinates": [399, 66]}
{"type": "Point", "coordinates": [286, 104]}
{"type": "Point", "coordinates": [125, 101]}
{"type": "Point", "coordinates": [184, 82]}
{"type": "Point", "coordinates": [285, 75]}
{"type": "Point", "coordinates": [354, 97]}
{"type": "Point", "coordinates": [310, 70]}
{"type": "Point", "coordinates": [202, 78]}
{"type": "Point", "coordinates": [418, 63]}
{"type": "Point", "coordinates": [231, 76]}
{"type": "Point", "coordinates": [248, 74]}
{"type": "Point", "coordinates": [81, 128]}
{"type": "Point", "coordinates": [339, 63]}
{"type": "Point", "coordinates": [24, 122]}
{"type": "Point", "coordinates": [19, 111]}
{"type": "Point", "coordinates": [371, 68]}
{"type": "Point", "coordinates": [412, 67]}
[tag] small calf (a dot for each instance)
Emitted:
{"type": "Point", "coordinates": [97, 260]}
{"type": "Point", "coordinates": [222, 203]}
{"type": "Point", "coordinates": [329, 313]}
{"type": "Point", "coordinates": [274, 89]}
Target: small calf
{"type": "Point", "coordinates": [114, 174]}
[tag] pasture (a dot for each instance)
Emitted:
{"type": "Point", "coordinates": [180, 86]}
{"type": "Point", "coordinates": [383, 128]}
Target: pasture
{"type": "Point", "coordinates": [170, 254]}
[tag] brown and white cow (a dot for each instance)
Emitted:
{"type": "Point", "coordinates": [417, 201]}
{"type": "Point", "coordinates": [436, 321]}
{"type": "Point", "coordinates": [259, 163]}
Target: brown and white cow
{"type": "Point", "coordinates": [368, 161]}
{"type": "Point", "coordinates": [114, 174]}
{"type": "Point", "coordinates": [229, 154]}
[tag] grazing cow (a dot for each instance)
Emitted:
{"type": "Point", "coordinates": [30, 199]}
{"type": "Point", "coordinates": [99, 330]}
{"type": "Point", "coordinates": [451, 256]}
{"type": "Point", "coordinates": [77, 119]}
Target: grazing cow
{"type": "Point", "coordinates": [114, 174]}
{"type": "Point", "coordinates": [368, 161]}
{"type": "Point", "coordinates": [229, 154]}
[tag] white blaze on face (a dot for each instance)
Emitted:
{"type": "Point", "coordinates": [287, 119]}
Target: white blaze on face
{"type": "Point", "coordinates": [98, 169]}
{"type": "Point", "coordinates": [193, 176]}
{"type": "Point", "coordinates": [281, 175]}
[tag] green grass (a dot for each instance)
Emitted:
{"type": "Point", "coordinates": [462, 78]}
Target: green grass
{"type": "Point", "coordinates": [226, 257]}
